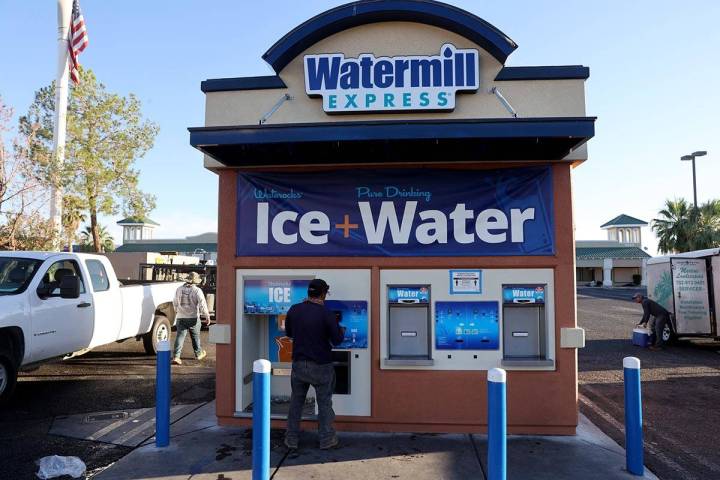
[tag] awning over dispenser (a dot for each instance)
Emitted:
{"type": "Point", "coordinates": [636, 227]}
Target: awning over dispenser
{"type": "Point", "coordinates": [445, 141]}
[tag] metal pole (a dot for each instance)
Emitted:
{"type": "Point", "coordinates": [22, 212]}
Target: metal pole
{"type": "Point", "coordinates": [64, 12]}
{"type": "Point", "coordinates": [162, 395]}
{"type": "Point", "coordinates": [261, 420]}
{"type": "Point", "coordinates": [694, 184]}
{"type": "Point", "coordinates": [497, 425]}
{"type": "Point", "coordinates": [633, 417]}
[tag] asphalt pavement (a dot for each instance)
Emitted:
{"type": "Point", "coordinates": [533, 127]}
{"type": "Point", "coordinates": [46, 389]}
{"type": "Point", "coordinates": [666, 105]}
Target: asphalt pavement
{"type": "Point", "coordinates": [680, 388]}
{"type": "Point", "coordinates": [618, 293]}
{"type": "Point", "coordinates": [118, 376]}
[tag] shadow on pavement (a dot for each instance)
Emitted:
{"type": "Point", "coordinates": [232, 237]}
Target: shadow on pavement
{"type": "Point", "coordinates": [206, 453]}
{"type": "Point", "coordinates": [677, 420]}
{"type": "Point", "coordinates": [608, 354]}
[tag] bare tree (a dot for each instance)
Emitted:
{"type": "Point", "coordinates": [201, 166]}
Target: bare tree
{"type": "Point", "coordinates": [22, 194]}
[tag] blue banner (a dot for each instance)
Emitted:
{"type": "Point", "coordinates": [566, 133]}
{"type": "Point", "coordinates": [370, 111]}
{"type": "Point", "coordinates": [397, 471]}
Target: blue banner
{"type": "Point", "coordinates": [466, 326]}
{"type": "Point", "coordinates": [273, 297]}
{"type": "Point", "coordinates": [410, 212]}
{"type": "Point", "coordinates": [408, 294]}
{"type": "Point", "coordinates": [353, 315]}
{"type": "Point", "coordinates": [523, 293]}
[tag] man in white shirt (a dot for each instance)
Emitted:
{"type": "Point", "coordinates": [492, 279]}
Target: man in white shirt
{"type": "Point", "coordinates": [190, 305]}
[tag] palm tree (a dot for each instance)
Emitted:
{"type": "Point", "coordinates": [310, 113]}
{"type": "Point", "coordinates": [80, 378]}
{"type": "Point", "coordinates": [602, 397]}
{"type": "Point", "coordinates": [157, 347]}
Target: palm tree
{"type": "Point", "coordinates": [107, 243]}
{"type": "Point", "coordinates": [682, 227]}
{"type": "Point", "coordinates": [674, 227]}
{"type": "Point", "coordinates": [707, 234]}
{"type": "Point", "coordinates": [72, 217]}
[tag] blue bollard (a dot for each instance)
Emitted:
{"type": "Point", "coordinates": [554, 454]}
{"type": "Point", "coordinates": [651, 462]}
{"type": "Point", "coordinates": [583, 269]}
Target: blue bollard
{"type": "Point", "coordinates": [633, 417]}
{"type": "Point", "coordinates": [261, 420]}
{"type": "Point", "coordinates": [497, 425]}
{"type": "Point", "coordinates": [162, 395]}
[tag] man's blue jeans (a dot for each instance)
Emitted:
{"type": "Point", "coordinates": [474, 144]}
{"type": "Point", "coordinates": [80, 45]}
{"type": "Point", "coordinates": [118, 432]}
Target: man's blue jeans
{"type": "Point", "coordinates": [183, 325]}
{"type": "Point", "coordinates": [322, 378]}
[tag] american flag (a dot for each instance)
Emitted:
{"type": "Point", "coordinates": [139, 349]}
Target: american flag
{"type": "Point", "coordinates": [78, 40]}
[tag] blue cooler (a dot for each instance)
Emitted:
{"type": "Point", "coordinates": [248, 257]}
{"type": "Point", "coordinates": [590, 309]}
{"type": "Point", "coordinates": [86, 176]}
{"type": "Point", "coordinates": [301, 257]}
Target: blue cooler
{"type": "Point", "coordinates": [641, 337]}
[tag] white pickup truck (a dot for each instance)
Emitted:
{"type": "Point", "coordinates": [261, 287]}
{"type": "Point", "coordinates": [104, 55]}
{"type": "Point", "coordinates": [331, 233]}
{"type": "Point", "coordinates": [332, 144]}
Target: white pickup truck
{"type": "Point", "coordinates": [54, 304]}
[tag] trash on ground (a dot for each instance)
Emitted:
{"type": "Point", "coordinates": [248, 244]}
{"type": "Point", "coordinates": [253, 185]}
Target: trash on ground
{"type": "Point", "coordinates": [56, 466]}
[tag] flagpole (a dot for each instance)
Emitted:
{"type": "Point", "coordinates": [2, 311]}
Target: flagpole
{"type": "Point", "coordinates": [64, 12]}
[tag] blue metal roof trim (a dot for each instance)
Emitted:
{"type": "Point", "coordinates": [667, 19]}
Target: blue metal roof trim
{"type": "Point", "coordinates": [581, 127]}
{"type": "Point", "coordinates": [364, 12]}
{"type": "Point", "coordinates": [560, 72]}
{"type": "Point", "coordinates": [499, 139]}
{"type": "Point", "coordinates": [242, 83]}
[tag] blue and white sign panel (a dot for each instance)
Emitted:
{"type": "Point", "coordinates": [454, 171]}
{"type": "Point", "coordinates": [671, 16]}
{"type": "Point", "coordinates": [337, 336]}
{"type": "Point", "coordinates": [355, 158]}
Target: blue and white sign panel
{"type": "Point", "coordinates": [408, 294]}
{"type": "Point", "coordinates": [396, 213]}
{"type": "Point", "coordinates": [273, 297]}
{"type": "Point", "coordinates": [403, 83]}
{"type": "Point", "coordinates": [465, 282]}
{"type": "Point", "coordinates": [466, 326]}
{"type": "Point", "coordinates": [524, 294]}
{"type": "Point", "coordinates": [353, 315]}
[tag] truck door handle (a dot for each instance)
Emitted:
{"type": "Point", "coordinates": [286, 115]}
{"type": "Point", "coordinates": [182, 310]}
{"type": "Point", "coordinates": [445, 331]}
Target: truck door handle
{"type": "Point", "coordinates": [83, 305]}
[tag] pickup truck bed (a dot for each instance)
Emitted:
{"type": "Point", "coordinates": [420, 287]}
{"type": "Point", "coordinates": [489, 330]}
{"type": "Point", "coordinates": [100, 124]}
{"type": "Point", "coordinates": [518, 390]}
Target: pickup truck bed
{"type": "Point", "coordinates": [53, 304]}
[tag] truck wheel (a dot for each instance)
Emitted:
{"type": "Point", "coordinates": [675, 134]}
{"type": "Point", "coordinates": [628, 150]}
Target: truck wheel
{"type": "Point", "coordinates": [8, 379]}
{"type": "Point", "coordinates": [160, 331]}
{"type": "Point", "coordinates": [668, 335]}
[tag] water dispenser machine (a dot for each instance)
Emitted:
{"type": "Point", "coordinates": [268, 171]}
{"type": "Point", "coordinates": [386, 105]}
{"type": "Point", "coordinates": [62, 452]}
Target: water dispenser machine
{"type": "Point", "coordinates": [409, 325]}
{"type": "Point", "coordinates": [524, 324]}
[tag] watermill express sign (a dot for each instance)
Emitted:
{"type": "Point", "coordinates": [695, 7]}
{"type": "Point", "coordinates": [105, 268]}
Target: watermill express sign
{"type": "Point", "coordinates": [406, 83]}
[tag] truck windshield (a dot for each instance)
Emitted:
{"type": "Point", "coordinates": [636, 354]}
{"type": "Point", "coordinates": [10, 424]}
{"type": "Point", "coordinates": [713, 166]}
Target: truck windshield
{"type": "Point", "coordinates": [16, 274]}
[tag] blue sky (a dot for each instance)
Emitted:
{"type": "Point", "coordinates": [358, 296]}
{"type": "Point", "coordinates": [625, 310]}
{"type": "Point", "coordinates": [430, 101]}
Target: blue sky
{"type": "Point", "coordinates": [653, 86]}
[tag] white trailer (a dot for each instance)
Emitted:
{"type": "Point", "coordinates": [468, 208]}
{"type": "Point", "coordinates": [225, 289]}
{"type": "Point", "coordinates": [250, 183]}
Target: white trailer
{"type": "Point", "coordinates": [688, 286]}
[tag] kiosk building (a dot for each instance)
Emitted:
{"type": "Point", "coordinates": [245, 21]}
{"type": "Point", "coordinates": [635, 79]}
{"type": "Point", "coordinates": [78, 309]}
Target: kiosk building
{"type": "Point", "coordinates": [395, 155]}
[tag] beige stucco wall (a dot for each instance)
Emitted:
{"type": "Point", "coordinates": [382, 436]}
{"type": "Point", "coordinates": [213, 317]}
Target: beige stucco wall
{"type": "Point", "coordinates": [535, 98]}
{"type": "Point", "coordinates": [624, 274]}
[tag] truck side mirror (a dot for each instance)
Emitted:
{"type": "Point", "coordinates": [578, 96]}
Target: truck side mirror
{"type": "Point", "coordinates": [69, 287]}
{"type": "Point", "coordinates": [43, 291]}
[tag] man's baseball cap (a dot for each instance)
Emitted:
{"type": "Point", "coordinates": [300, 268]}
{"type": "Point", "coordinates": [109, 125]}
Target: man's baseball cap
{"type": "Point", "coordinates": [637, 295]}
{"type": "Point", "coordinates": [317, 287]}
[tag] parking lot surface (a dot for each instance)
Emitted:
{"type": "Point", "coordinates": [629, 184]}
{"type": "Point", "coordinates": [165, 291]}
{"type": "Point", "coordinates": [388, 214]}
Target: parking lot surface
{"type": "Point", "coordinates": [681, 389]}
{"type": "Point", "coordinates": [681, 392]}
{"type": "Point", "coordinates": [114, 377]}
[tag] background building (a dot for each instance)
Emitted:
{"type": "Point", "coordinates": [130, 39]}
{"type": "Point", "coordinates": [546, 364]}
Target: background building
{"type": "Point", "coordinates": [619, 260]}
{"type": "Point", "coordinates": [138, 237]}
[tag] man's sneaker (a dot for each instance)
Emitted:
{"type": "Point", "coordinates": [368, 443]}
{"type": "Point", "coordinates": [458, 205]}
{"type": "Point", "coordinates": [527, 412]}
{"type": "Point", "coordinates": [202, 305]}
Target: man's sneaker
{"type": "Point", "coordinates": [332, 443]}
{"type": "Point", "coordinates": [202, 355]}
{"type": "Point", "coordinates": [176, 361]}
{"type": "Point", "coordinates": [291, 443]}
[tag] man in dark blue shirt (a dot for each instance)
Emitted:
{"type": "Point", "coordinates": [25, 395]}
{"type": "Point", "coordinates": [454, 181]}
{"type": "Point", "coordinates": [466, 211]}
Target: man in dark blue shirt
{"type": "Point", "coordinates": [660, 318]}
{"type": "Point", "coordinates": [314, 329]}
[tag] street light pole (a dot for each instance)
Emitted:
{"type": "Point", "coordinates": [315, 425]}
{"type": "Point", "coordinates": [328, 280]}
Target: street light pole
{"type": "Point", "coordinates": [691, 157]}
{"type": "Point", "coordinates": [694, 184]}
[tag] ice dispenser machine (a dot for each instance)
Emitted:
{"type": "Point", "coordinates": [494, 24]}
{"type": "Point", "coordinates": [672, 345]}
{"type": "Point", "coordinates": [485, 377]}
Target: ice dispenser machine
{"type": "Point", "coordinates": [524, 322]}
{"type": "Point", "coordinates": [409, 323]}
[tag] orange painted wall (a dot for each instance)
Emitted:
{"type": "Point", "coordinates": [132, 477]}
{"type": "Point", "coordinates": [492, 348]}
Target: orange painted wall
{"type": "Point", "coordinates": [538, 402]}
